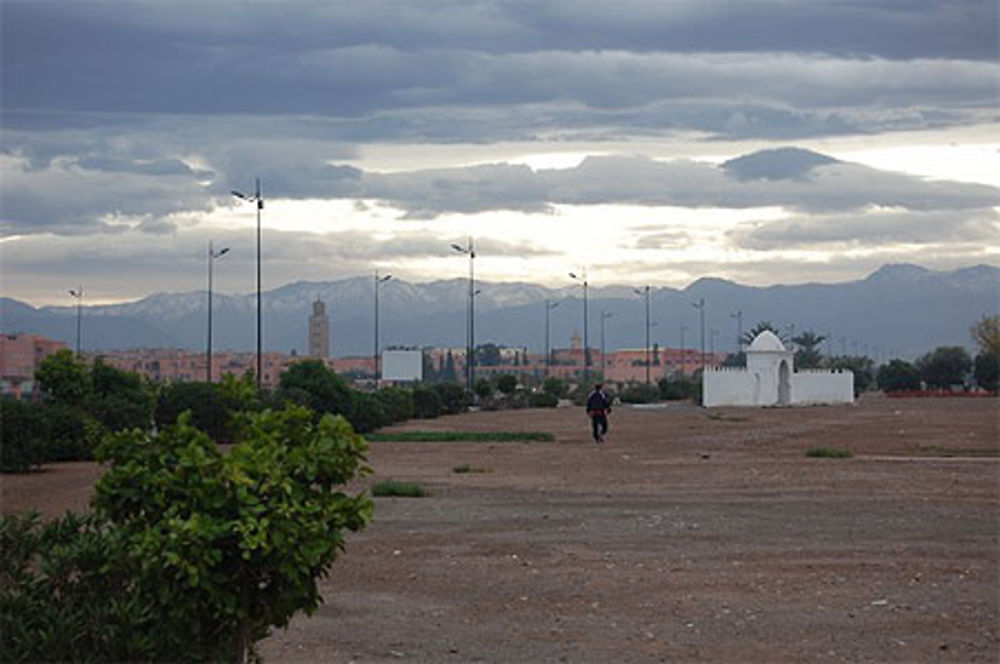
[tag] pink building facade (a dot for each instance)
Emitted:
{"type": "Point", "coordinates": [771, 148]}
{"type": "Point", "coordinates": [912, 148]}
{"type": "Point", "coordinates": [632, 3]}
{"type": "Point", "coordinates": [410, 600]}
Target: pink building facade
{"type": "Point", "coordinates": [20, 355]}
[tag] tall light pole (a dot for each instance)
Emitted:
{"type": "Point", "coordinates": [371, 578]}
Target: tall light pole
{"type": "Point", "coordinates": [378, 356]}
{"type": "Point", "coordinates": [604, 316]}
{"type": "Point", "coordinates": [738, 315]}
{"type": "Point", "coordinates": [586, 341]}
{"type": "Point", "coordinates": [470, 349]}
{"type": "Point", "coordinates": [259, 201]}
{"type": "Point", "coordinates": [711, 344]}
{"type": "Point", "coordinates": [549, 306]}
{"type": "Point", "coordinates": [212, 255]}
{"type": "Point", "coordinates": [78, 294]}
{"type": "Point", "coordinates": [645, 291]}
{"type": "Point", "coordinates": [700, 306]}
{"type": "Point", "coordinates": [684, 328]}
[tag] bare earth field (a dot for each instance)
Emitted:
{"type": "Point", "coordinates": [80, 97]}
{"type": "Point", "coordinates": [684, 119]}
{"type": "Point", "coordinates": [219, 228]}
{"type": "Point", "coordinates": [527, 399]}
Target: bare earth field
{"type": "Point", "coordinates": [690, 535]}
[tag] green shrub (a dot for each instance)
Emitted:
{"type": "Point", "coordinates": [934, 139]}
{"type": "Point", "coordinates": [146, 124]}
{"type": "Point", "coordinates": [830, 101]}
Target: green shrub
{"type": "Point", "coordinates": [397, 402]}
{"type": "Point", "coordinates": [679, 388]}
{"type": "Point", "coordinates": [484, 388]}
{"type": "Point", "coordinates": [454, 398]}
{"type": "Point", "coordinates": [543, 400]}
{"type": "Point", "coordinates": [328, 392]}
{"type": "Point", "coordinates": [556, 387]}
{"type": "Point", "coordinates": [67, 594]}
{"type": "Point", "coordinates": [223, 546]}
{"type": "Point", "coordinates": [367, 412]}
{"type": "Point", "coordinates": [426, 403]}
{"type": "Point", "coordinates": [506, 383]}
{"type": "Point", "coordinates": [24, 434]}
{"type": "Point", "coordinates": [210, 405]}
{"type": "Point", "coordinates": [829, 453]}
{"type": "Point", "coordinates": [397, 488]}
{"type": "Point", "coordinates": [640, 393]}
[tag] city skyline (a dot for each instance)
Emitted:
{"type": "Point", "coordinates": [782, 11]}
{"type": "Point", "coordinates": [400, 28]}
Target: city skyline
{"type": "Point", "coordinates": [650, 143]}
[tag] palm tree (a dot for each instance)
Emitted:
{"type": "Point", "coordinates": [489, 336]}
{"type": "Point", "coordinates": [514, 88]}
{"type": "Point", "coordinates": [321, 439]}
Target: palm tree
{"type": "Point", "coordinates": [807, 356]}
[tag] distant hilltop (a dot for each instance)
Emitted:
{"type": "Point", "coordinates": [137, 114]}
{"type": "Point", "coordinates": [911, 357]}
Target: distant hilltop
{"type": "Point", "coordinates": [898, 310]}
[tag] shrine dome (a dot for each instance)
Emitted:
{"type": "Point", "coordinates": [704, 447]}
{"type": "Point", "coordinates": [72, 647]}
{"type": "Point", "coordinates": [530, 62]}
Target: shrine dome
{"type": "Point", "coordinates": [767, 342]}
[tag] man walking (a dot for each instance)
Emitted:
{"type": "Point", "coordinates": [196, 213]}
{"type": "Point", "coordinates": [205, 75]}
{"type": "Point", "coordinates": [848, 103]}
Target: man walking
{"type": "Point", "coordinates": [598, 408]}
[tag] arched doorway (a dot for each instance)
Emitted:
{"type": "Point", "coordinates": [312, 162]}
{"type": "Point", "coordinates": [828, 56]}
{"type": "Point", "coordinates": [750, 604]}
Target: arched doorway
{"type": "Point", "coordinates": [784, 384]}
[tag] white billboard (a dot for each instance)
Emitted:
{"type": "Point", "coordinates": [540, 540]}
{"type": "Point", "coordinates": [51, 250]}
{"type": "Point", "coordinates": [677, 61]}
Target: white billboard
{"type": "Point", "coordinates": [402, 365]}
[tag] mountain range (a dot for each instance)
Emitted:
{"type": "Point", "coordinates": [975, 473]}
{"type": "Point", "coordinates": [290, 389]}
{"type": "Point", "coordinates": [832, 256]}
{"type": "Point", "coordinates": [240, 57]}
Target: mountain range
{"type": "Point", "coordinates": [899, 310]}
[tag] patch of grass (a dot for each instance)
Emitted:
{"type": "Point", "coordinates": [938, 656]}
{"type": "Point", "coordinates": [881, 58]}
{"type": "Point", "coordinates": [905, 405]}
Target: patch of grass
{"type": "Point", "coordinates": [397, 488]}
{"type": "Point", "coordinates": [466, 468]}
{"type": "Point", "coordinates": [937, 450]}
{"type": "Point", "coordinates": [829, 453]}
{"type": "Point", "coordinates": [461, 436]}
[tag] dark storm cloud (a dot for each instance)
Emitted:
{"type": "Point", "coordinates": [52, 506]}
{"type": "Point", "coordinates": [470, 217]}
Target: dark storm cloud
{"type": "Point", "coordinates": [805, 181]}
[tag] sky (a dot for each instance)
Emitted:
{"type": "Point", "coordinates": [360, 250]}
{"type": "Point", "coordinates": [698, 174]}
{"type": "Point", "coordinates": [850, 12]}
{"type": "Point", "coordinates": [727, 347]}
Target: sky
{"type": "Point", "coordinates": [762, 141]}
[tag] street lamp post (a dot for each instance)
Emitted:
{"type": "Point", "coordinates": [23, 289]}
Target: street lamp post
{"type": "Point", "coordinates": [684, 329]}
{"type": "Point", "coordinates": [586, 341]}
{"type": "Point", "coordinates": [549, 306]}
{"type": "Point", "coordinates": [645, 291]}
{"type": "Point", "coordinates": [259, 201]}
{"type": "Point", "coordinates": [604, 316]}
{"type": "Point", "coordinates": [378, 356]}
{"type": "Point", "coordinates": [212, 255]}
{"type": "Point", "coordinates": [470, 359]}
{"type": "Point", "coordinates": [711, 344]}
{"type": "Point", "coordinates": [78, 294]}
{"type": "Point", "coordinates": [738, 315]}
{"type": "Point", "coordinates": [700, 306]}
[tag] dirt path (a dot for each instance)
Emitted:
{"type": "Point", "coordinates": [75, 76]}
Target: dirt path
{"type": "Point", "coordinates": [690, 536]}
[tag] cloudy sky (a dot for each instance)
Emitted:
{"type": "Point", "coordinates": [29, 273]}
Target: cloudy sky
{"type": "Point", "coordinates": [765, 141]}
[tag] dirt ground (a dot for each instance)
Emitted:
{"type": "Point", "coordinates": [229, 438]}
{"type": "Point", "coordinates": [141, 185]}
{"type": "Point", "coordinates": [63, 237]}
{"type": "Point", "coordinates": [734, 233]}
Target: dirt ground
{"type": "Point", "coordinates": [690, 535]}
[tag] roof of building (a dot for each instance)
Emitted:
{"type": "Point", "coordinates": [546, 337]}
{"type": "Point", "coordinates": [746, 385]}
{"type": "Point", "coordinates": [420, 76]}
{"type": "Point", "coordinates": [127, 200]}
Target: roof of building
{"type": "Point", "coordinates": [766, 342]}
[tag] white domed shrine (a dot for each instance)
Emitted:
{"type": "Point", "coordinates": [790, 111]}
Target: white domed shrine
{"type": "Point", "coordinates": [770, 379]}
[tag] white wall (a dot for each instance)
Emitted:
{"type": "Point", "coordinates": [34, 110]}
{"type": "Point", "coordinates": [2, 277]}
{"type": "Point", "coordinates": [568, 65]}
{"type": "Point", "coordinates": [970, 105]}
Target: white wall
{"type": "Point", "coordinates": [743, 387]}
{"type": "Point", "coordinates": [822, 387]}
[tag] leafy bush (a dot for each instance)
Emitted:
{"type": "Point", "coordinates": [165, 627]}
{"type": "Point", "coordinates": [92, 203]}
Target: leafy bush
{"type": "Point", "coordinates": [328, 392]}
{"type": "Point", "coordinates": [829, 453]}
{"type": "Point", "coordinates": [397, 402]}
{"type": "Point", "coordinates": [397, 488]}
{"type": "Point", "coordinates": [640, 393]}
{"type": "Point", "coordinates": [426, 403]}
{"type": "Point", "coordinates": [223, 546]}
{"type": "Point", "coordinates": [367, 412]}
{"type": "Point", "coordinates": [556, 386]}
{"type": "Point", "coordinates": [898, 375]}
{"type": "Point", "coordinates": [72, 434]}
{"type": "Point", "coordinates": [986, 370]}
{"type": "Point", "coordinates": [543, 400]}
{"type": "Point", "coordinates": [945, 366]}
{"type": "Point", "coordinates": [67, 594]}
{"type": "Point", "coordinates": [23, 436]}
{"type": "Point", "coordinates": [453, 397]}
{"type": "Point", "coordinates": [506, 383]}
{"type": "Point", "coordinates": [210, 406]}
{"type": "Point", "coordinates": [678, 388]}
{"type": "Point", "coordinates": [484, 388]}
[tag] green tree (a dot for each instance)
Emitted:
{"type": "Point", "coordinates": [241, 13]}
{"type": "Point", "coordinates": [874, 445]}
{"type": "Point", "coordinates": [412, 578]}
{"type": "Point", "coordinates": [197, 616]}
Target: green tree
{"type": "Point", "coordinates": [898, 375]}
{"type": "Point", "coordinates": [226, 545]}
{"type": "Point", "coordinates": [119, 399]}
{"type": "Point", "coordinates": [484, 388]}
{"type": "Point", "coordinates": [986, 370]}
{"type": "Point", "coordinates": [807, 355]}
{"type": "Point", "coordinates": [24, 435]}
{"type": "Point", "coordinates": [506, 383]}
{"type": "Point", "coordinates": [426, 402]}
{"type": "Point", "coordinates": [327, 392]}
{"type": "Point", "coordinates": [556, 386]}
{"type": "Point", "coordinates": [986, 334]}
{"type": "Point", "coordinates": [210, 405]}
{"type": "Point", "coordinates": [945, 366]}
{"type": "Point", "coordinates": [64, 377]}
